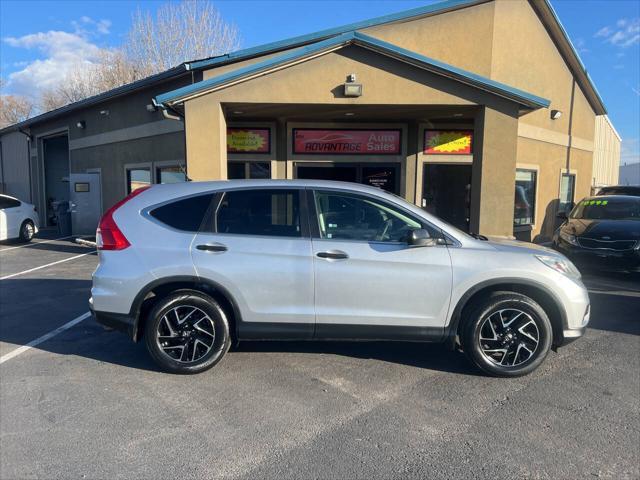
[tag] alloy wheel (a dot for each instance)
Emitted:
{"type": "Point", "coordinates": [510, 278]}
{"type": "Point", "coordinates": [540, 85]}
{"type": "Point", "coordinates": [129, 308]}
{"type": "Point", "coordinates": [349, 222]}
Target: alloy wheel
{"type": "Point", "coordinates": [185, 334]}
{"type": "Point", "coordinates": [509, 337]}
{"type": "Point", "coordinates": [27, 231]}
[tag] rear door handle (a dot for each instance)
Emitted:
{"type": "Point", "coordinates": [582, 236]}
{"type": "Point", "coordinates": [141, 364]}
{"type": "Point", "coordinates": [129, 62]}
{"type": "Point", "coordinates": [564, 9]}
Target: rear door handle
{"type": "Point", "coordinates": [333, 255]}
{"type": "Point", "coordinates": [208, 247]}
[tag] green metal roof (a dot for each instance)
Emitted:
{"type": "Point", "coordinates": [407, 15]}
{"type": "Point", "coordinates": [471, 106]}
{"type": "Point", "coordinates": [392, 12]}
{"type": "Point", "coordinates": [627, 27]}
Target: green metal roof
{"type": "Point", "coordinates": [525, 99]}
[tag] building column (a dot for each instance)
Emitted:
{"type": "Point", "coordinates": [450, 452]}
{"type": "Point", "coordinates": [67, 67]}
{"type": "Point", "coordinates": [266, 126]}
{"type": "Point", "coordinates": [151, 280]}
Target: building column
{"type": "Point", "coordinates": [494, 167]}
{"type": "Point", "coordinates": [206, 140]}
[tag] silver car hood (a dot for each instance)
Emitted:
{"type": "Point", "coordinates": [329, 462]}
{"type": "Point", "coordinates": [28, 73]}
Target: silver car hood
{"type": "Point", "coordinates": [516, 246]}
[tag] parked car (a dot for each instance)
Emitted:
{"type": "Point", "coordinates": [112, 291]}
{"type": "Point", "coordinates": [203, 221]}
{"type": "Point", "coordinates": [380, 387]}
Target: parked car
{"type": "Point", "coordinates": [603, 232]}
{"type": "Point", "coordinates": [18, 219]}
{"type": "Point", "coordinates": [633, 190]}
{"type": "Point", "coordinates": [192, 267]}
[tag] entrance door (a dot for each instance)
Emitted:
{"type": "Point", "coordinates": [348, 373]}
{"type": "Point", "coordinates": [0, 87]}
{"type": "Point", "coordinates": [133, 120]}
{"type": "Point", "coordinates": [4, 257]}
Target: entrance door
{"type": "Point", "coordinates": [382, 176]}
{"type": "Point", "coordinates": [85, 196]}
{"type": "Point", "coordinates": [446, 193]}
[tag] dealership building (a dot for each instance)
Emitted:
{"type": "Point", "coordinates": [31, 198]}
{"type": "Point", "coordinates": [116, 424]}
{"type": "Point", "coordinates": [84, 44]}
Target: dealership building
{"type": "Point", "coordinates": [479, 111]}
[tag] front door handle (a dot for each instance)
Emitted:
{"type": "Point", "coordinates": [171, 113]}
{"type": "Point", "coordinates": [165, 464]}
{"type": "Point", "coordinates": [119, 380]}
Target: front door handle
{"type": "Point", "coordinates": [207, 247]}
{"type": "Point", "coordinates": [333, 255]}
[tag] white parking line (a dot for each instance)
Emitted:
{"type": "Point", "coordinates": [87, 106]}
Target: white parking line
{"type": "Point", "coordinates": [44, 338]}
{"type": "Point", "coordinates": [35, 243]}
{"type": "Point", "coordinates": [44, 266]}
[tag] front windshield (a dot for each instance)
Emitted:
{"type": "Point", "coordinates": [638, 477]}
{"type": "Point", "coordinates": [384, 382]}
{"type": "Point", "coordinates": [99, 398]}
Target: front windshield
{"type": "Point", "coordinates": [607, 209]}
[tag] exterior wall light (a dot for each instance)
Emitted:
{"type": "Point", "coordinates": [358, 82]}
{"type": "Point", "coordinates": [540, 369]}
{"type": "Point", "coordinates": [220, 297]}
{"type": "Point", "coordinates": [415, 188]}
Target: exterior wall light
{"type": "Point", "coordinates": [555, 114]}
{"type": "Point", "coordinates": [104, 112]}
{"type": "Point", "coordinates": [151, 108]}
{"type": "Point", "coordinates": [81, 124]}
{"type": "Point", "coordinates": [352, 89]}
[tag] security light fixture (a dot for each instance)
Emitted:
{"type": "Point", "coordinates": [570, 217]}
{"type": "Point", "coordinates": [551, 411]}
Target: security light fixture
{"type": "Point", "coordinates": [349, 114]}
{"type": "Point", "coordinates": [352, 89]}
{"type": "Point", "coordinates": [81, 124]}
{"type": "Point", "coordinates": [555, 114]}
{"type": "Point", "coordinates": [104, 112]}
{"type": "Point", "coordinates": [151, 107]}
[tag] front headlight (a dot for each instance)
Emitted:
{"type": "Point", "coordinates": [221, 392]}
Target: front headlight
{"type": "Point", "coordinates": [561, 265]}
{"type": "Point", "coordinates": [567, 237]}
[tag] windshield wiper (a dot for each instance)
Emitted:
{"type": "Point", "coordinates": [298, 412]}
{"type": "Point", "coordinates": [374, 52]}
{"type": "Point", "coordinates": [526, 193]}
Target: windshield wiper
{"type": "Point", "coordinates": [477, 236]}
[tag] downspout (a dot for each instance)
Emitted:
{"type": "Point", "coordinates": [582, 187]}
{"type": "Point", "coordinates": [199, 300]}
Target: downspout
{"type": "Point", "coordinates": [29, 139]}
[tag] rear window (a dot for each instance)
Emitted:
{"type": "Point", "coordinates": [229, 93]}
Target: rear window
{"type": "Point", "coordinates": [260, 212]}
{"type": "Point", "coordinates": [187, 214]}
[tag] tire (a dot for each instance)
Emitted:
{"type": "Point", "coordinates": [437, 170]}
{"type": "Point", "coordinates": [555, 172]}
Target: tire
{"type": "Point", "coordinates": [516, 335]}
{"type": "Point", "coordinates": [27, 231]}
{"type": "Point", "coordinates": [187, 332]}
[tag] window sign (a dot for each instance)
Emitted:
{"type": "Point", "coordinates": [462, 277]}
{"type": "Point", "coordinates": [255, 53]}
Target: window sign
{"type": "Point", "coordinates": [248, 140]}
{"type": "Point", "coordinates": [346, 142]}
{"type": "Point", "coordinates": [448, 142]}
{"type": "Point", "coordinates": [567, 189]}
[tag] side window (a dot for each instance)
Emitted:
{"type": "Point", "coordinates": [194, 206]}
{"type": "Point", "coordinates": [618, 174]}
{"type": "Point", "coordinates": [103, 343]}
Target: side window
{"type": "Point", "coordinates": [352, 217]}
{"type": "Point", "coordinates": [6, 202]}
{"type": "Point", "coordinates": [186, 214]}
{"type": "Point", "coordinates": [260, 212]}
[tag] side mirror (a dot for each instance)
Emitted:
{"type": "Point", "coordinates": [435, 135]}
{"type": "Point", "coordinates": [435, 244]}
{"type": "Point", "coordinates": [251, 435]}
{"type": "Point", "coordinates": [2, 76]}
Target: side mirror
{"type": "Point", "coordinates": [562, 215]}
{"type": "Point", "coordinates": [421, 238]}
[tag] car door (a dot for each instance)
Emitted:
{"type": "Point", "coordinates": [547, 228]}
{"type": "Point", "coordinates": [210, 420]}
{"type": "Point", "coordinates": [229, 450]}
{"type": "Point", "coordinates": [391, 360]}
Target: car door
{"type": "Point", "coordinates": [258, 248]}
{"type": "Point", "coordinates": [11, 217]}
{"type": "Point", "coordinates": [368, 281]}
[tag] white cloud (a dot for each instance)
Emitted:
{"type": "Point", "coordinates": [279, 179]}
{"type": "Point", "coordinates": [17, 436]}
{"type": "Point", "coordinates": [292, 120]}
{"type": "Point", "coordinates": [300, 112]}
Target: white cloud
{"type": "Point", "coordinates": [625, 34]}
{"type": "Point", "coordinates": [61, 53]}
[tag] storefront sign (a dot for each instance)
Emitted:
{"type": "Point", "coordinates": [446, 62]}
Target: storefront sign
{"type": "Point", "coordinates": [447, 142]}
{"type": "Point", "coordinates": [346, 142]}
{"type": "Point", "coordinates": [248, 140]}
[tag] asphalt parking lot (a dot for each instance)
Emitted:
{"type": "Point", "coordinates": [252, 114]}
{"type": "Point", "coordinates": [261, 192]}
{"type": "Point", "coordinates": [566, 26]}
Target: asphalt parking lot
{"type": "Point", "coordinates": [88, 403]}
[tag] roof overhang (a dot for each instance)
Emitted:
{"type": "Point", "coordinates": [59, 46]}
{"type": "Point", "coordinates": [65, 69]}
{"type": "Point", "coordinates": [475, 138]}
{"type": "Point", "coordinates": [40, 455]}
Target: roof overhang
{"type": "Point", "coordinates": [172, 99]}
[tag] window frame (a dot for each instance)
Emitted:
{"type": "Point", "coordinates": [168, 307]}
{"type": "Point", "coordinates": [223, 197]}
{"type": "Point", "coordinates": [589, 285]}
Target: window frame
{"type": "Point", "coordinates": [535, 173]}
{"type": "Point", "coordinates": [302, 208]}
{"type": "Point", "coordinates": [314, 219]}
{"type": "Point", "coordinates": [136, 166]}
{"type": "Point", "coordinates": [157, 166]}
{"type": "Point", "coordinates": [247, 167]}
{"type": "Point", "coordinates": [572, 200]}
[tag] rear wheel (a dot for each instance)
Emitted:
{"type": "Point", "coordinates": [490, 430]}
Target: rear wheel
{"type": "Point", "coordinates": [27, 231]}
{"type": "Point", "coordinates": [187, 332]}
{"type": "Point", "coordinates": [507, 335]}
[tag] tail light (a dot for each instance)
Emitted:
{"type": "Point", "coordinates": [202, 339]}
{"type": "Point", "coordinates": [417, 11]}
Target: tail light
{"type": "Point", "coordinates": [109, 236]}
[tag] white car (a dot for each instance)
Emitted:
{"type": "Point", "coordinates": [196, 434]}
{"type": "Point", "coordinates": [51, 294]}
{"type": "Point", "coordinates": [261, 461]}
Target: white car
{"type": "Point", "coordinates": [17, 219]}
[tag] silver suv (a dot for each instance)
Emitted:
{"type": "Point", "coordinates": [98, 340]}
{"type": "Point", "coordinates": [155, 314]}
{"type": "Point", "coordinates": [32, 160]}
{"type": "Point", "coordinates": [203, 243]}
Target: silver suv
{"type": "Point", "coordinates": [192, 268]}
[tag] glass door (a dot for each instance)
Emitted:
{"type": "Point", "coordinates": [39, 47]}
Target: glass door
{"type": "Point", "coordinates": [446, 192]}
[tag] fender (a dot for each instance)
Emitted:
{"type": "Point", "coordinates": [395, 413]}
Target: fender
{"type": "Point", "coordinates": [452, 328]}
{"type": "Point", "coordinates": [136, 306]}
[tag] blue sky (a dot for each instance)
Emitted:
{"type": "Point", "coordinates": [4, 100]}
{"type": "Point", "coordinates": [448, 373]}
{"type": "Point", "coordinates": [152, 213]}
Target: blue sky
{"type": "Point", "coordinates": [40, 39]}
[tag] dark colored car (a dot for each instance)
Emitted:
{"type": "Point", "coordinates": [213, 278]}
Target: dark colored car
{"type": "Point", "coordinates": [633, 190]}
{"type": "Point", "coordinates": [602, 231]}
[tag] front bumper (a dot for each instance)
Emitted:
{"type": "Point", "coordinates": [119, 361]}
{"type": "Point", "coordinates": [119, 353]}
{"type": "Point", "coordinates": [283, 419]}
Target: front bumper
{"type": "Point", "coordinates": [611, 260]}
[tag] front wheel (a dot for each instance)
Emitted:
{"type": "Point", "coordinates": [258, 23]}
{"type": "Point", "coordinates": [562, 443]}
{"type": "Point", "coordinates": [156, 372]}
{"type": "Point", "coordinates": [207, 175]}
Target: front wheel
{"type": "Point", "coordinates": [507, 335]}
{"type": "Point", "coordinates": [187, 332]}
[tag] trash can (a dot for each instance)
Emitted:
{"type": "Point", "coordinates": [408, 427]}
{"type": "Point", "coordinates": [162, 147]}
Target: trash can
{"type": "Point", "coordinates": [63, 218]}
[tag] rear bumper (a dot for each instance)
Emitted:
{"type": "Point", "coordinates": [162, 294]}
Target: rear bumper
{"type": "Point", "coordinates": [118, 321]}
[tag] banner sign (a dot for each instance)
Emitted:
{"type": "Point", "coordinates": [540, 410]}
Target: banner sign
{"type": "Point", "coordinates": [346, 142]}
{"type": "Point", "coordinates": [248, 140]}
{"type": "Point", "coordinates": [447, 142]}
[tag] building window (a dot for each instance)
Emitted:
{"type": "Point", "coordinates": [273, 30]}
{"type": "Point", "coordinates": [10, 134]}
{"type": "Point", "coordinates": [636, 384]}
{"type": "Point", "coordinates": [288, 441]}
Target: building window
{"type": "Point", "coordinates": [170, 174]}
{"type": "Point", "coordinates": [525, 198]}
{"type": "Point", "coordinates": [137, 178]}
{"type": "Point", "coordinates": [246, 170]}
{"type": "Point", "coordinates": [567, 192]}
